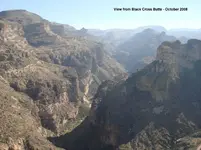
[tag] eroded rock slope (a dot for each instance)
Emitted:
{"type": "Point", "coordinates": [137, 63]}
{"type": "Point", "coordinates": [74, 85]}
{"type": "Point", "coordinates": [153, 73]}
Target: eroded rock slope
{"type": "Point", "coordinates": [156, 108]}
{"type": "Point", "coordinates": [57, 74]}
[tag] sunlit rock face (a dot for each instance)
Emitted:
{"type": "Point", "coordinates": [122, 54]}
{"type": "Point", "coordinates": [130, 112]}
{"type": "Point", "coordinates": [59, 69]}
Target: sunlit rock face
{"type": "Point", "coordinates": [48, 74]}
{"type": "Point", "coordinates": [182, 54]}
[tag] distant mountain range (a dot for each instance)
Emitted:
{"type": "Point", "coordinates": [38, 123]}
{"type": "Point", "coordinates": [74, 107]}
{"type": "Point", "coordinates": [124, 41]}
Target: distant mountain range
{"type": "Point", "coordinates": [71, 87]}
{"type": "Point", "coordinates": [134, 48]}
{"type": "Point", "coordinates": [157, 108]}
{"type": "Point", "coordinates": [177, 32]}
{"type": "Point", "coordinates": [140, 49]}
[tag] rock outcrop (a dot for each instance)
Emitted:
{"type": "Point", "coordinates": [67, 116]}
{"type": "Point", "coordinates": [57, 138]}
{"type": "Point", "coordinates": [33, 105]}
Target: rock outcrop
{"type": "Point", "coordinates": [57, 74]}
{"type": "Point", "coordinates": [52, 88]}
{"type": "Point", "coordinates": [21, 16]}
{"type": "Point", "coordinates": [134, 52]}
{"type": "Point", "coordinates": [156, 108]}
{"type": "Point", "coordinates": [87, 57]}
{"type": "Point", "coordinates": [20, 126]}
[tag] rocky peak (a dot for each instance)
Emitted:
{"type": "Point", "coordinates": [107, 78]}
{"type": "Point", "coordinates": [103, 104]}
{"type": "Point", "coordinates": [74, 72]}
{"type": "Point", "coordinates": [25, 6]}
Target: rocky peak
{"type": "Point", "coordinates": [194, 42]}
{"type": "Point", "coordinates": [184, 55]}
{"type": "Point", "coordinates": [38, 28]}
{"type": "Point", "coordinates": [149, 30]}
{"type": "Point", "coordinates": [58, 29]}
{"type": "Point", "coordinates": [163, 33]}
{"type": "Point", "coordinates": [62, 29]}
{"type": "Point", "coordinates": [39, 34]}
{"type": "Point", "coordinates": [21, 16]}
{"type": "Point", "coordinates": [83, 30]}
{"type": "Point", "coordinates": [148, 33]}
{"type": "Point", "coordinates": [167, 51]}
{"type": "Point", "coordinates": [12, 34]}
{"type": "Point", "coordinates": [151, 109]}
{"type": "Point", "coordinates": [133, 52]}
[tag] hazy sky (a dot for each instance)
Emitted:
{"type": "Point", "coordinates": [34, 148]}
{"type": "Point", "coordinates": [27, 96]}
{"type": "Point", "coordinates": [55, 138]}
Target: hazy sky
{"type": "Point", "coordinates": [100, 13]}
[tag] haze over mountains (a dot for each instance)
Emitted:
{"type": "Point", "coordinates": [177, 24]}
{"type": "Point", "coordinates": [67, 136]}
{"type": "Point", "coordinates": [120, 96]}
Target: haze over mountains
{"type": "Point", "coordinates": [118, 89]}
{"type": "Point", "coordinates": [135, 48]}
{"type": "Point", "coordinates": [177, 32]}
{"type": "Point", "coordinates": [156, 108]}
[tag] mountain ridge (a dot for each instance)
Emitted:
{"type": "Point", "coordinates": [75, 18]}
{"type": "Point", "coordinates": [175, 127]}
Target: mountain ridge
{"type": "Point", "coordinates": [150, 110]}
{"type": "Point", "coordinates": [56, 72]}
{"type": "Point", "coordinates": [60, 84]}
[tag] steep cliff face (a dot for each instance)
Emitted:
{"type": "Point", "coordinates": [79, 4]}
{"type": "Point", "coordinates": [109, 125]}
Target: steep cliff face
{"type": "Point", "coordinates": [20, 125]}
{"type": "Point", "coordinates": [182, 55]}
{"type": "Point", "coordinates": [61, 29]}
{"type": "Point", "coordinates": [40, 34]}
{"type": "Point", "coordinates": [66, 46]}
{"type": "Point", "coordinates": [156, 108]}
{"type": "Point", "coordinates": [89, 58]}
{"type": "Point", "coordinates": [49, 91]}
{"type": "Point", "coordinates": [56, 73]}
{"type": "Point", "coordinates": [54, 89]}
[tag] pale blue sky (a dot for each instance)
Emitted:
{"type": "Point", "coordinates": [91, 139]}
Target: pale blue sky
{"type": "Point", "coordinates": [100, 13]}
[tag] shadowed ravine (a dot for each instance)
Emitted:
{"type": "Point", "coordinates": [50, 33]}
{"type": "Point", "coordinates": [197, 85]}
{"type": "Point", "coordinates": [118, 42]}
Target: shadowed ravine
{"type": "Point", "coordinates": [147, 115]}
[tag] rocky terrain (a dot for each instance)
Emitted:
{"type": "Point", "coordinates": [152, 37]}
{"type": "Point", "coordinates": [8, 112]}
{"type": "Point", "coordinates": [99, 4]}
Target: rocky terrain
{"type": "Point", "coordinates": [20, 125]}
{"type": "Point", "coordinates": [61, 89]}
{"type": "Point", "coordinates": [140, 49]}
{"type": "Point", "coordinates": [156, 108]}
{"type": "Point", "coordinates": [118, 36]}
{"type": "Point", "coordinates": [135, 48]}
{"type": "Point", "coordinates": [48, 72]}
{"type": "Point", "coordinates": [112, 38]}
